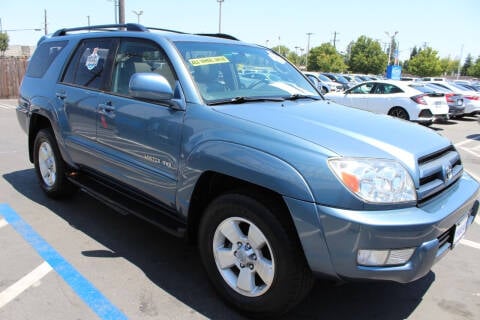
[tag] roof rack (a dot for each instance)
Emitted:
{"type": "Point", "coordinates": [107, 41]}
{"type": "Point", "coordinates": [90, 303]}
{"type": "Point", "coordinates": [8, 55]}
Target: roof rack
{"type": "Point", "coordinates": [132, 27]}
{"type": "Point", "coordinates": [103, 27]}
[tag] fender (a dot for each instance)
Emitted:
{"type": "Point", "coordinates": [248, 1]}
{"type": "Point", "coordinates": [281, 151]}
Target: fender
{"type": "Point", "coordinates": [268, 171]}
{"type": "Point", "coordinates": [240, 162]}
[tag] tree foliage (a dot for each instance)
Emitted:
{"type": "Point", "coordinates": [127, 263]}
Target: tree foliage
{"type": "Point", "coordinates": [325, 58]}
{"type": "Point", "coordinates": [468, 63]}
{"type": "Point", "coordinates": [474, 69]}
{"type": "Point", "coordinates": [3, 42]}
{"type": "Point", "coordinates": [282, 50]}
{"type": "Point", "coordinates": [449, 66]}
{"type": "Point", "coordinates": [425, 63]}
{"type": "Point", "coordinates": [366, 56]}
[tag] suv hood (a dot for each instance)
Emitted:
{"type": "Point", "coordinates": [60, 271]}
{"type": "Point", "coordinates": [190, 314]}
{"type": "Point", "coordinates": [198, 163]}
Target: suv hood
{"type": "Point", "coordinates": [343, 130]}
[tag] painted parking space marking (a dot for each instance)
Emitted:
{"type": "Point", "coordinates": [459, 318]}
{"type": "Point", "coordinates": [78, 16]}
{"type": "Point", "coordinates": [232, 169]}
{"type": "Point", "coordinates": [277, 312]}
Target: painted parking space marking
{"type": "Point", "coordinates": [471, 145]}
{"type": "Point", "coordinates": [94, 299]}
{"type": "Point", "coordinates": [469, 243]}
{"type": "Point", "coordinates": [23, 284]}
{"type": "Point", "coordinates": [3, 223]}
{"type": "Point", "coordinates": [6, 106]}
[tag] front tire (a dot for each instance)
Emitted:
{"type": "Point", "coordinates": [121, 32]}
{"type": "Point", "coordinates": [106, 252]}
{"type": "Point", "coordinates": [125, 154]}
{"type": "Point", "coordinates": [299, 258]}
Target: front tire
{"type": "Point", "coordinates": [50, 167]}
{"type": "Point", "coordinates": [252, 257]}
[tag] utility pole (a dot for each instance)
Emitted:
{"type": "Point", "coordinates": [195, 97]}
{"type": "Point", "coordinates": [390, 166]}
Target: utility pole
{"type": "Point", "coordinates": [121, 11]}
{"type": "Point", "coordinates": [460, 63]}
{"type": "Point", "coordinates": [45, 27]}
{"type": "Point", "coordinates": [335, 39]}
{"type": "Point", "coordinates": [220, 15]}
{"type": "Point", "coordinates": [308, 46]}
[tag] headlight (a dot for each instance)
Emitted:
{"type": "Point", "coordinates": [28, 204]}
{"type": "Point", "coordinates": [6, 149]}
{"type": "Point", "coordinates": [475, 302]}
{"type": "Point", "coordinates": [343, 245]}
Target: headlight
{"type": "Point", "coordinates": [375, 180]}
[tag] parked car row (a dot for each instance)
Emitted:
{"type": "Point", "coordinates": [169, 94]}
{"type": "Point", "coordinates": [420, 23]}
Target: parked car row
{"type": "Point", "coordinates": [422, 102]}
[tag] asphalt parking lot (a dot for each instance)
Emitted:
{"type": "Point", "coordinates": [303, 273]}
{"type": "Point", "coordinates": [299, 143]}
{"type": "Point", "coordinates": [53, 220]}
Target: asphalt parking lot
{"type": "Point", "coordinates": [78, 259]}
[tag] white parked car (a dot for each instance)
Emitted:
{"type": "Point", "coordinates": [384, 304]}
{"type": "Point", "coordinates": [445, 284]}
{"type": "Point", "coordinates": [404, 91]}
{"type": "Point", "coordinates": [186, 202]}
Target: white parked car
{"type": "Point", "coordinates": [395, 98]}
{"type": "Point", "coordinates": [471, 99]}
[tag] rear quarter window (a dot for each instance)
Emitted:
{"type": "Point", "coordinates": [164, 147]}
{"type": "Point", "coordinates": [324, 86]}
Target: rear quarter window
{"type": "Point", "coordinates": [43, 58]}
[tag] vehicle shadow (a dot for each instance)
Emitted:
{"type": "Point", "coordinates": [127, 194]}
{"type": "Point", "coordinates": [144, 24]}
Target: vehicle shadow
{"type": "Point", "coordinates": [174, 265]}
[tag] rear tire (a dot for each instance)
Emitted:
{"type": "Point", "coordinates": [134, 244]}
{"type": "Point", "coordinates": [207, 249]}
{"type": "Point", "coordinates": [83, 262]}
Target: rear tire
{"type": "Point", "coordinates": [253, 259]}
{"type": "Point", "coordinates": [399, 112]}
{"type": "Point", "coordinates": [50, 167]}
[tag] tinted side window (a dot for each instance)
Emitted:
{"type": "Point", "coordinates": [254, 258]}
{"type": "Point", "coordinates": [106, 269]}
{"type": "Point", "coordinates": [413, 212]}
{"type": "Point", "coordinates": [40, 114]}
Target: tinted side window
{"type": "Point", "coordinates": [134, 56]}
{"type": "Point", "coordinates": [91, 64]}
{"type": "Point", "coordinates": [363, 89]}
{"type": "Point", "coordinates": [43, 58]}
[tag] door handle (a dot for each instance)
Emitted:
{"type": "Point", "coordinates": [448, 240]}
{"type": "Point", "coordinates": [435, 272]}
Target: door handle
{"type": "Point", "coordinates": [106, 109]}
{"type": "Point", "coordinates": [61, 95]}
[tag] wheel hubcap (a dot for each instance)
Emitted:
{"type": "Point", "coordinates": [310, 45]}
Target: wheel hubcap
{"type": "Point", "coordinates": [243, 256]}
{"type": "Point", "coordinates": [46, 162]}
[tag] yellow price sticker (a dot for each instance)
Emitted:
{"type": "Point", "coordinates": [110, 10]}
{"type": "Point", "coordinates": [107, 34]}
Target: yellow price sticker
{"type": "Point", "coordinates": [208, 60]}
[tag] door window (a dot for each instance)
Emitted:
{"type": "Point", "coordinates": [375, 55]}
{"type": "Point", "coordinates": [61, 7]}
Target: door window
{"type": "Point", "coordinates": [90, 64]}
{"type": "Point", "coordinates": [134, 56]}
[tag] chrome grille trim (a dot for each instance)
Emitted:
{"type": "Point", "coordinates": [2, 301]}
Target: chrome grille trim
{"type": "Point", "coordinates": [437, 171]}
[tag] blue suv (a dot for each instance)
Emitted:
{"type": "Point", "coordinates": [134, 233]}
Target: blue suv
{"type": "Point", "coordinates": [228, 145]}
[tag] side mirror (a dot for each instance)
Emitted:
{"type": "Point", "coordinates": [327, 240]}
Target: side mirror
{"type": "Point", "coordinates": [150, 86]}
{"type": "Point", "coordinates": [155, 87]}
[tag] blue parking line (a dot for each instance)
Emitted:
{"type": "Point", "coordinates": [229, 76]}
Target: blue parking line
{"type": "Point", "coordinates": [82, 287]}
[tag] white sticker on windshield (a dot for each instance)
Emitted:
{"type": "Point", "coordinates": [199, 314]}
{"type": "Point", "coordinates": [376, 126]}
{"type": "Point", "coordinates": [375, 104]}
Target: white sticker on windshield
{"type": "Point", "coordinates": [92, 60]}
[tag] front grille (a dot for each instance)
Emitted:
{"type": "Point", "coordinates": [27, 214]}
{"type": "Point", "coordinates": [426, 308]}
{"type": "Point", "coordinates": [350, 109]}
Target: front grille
{"type": "Point", "coordinates": [437, 172]}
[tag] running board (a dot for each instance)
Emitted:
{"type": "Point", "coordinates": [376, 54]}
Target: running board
{"type": "Point", "coordinates": [126, 202]}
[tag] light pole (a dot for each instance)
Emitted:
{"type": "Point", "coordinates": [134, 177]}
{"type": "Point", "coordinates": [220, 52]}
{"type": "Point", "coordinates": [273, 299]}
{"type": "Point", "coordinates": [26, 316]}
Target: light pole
{"type": "Point", "coordinates": [392, 43]}
{"type": "Point", "coordinates": [138, 13]}
{"type": "Point", "coordinates": [308, 46]}
{"type": "Point", "coordinates": [220, 15]}
{"type": "Point", "coordinates": [115, 9]}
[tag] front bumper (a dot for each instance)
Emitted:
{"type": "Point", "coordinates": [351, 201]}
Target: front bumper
{"type": "Point", "coordinates": [331, 246]}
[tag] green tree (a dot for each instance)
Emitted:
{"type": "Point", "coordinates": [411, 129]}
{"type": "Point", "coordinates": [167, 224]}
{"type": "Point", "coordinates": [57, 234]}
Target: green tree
{"type": "Point", "coordinates": [325, 58]}
{"type": "Point", "coordinates": [366, 56]}
{"type": "Point", "coordinates": [3, 42]}
{"type": "Point", "coordinates": [414, 52]}
{"type": "Point", "coordinates": [294, 58]}
{"type": "Point", "coordinates": [449, 66]}
{"type": "Point", "coordinates": [474, 70]}
{"type": "Point", "coordinates": [468, 63]}
{"type": "Point", "coordinates": [425, 63]}
{"type": "Point", "coordinates": [282, 50]}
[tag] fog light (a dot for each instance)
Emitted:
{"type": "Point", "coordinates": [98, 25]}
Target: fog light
{"type": "Point", "coordinates": [384, 257]}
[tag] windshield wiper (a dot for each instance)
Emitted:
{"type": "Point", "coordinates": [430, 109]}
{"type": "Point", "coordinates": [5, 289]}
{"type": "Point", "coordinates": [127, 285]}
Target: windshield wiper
{"type": "Point", "coordinates": [297, 96]}
{"type": "Point", "coordinates": [238, 100]}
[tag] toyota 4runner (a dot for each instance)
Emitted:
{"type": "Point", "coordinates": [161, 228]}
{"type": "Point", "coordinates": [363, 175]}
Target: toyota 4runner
{"type": "Point", "coordinates": [229, 145]}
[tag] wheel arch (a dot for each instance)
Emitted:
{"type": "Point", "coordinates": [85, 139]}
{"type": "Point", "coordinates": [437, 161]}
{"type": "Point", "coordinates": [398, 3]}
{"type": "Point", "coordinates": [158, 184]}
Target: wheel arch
{"type": "Point", "coordinates": [390, 111]}
{"type": "Point", "coordinates": [244, 169]}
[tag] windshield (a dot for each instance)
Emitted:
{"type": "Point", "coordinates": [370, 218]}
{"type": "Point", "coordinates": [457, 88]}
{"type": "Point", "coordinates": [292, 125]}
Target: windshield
{"type": "Point", "coordinates": [235, 72]}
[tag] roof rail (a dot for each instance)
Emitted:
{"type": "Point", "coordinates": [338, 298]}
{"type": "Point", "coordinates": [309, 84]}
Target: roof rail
{"type": "Point", "coordinates": [103, 27]}
{"type": "Point", "coordinates": [132, 27]}
{"type": "Point", "coordinates": [218, 35]}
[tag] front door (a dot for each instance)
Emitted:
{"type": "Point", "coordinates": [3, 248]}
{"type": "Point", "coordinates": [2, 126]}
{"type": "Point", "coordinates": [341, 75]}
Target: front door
{"type": "Point", "coordinates": [140, 139]}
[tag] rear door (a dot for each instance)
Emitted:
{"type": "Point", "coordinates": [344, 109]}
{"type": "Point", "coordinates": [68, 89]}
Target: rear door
{"type": "Point", "coordinates": [79, 91]}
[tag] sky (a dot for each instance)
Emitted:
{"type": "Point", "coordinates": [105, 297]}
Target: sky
{"type": "Point", "coordinates": [450, 27]}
